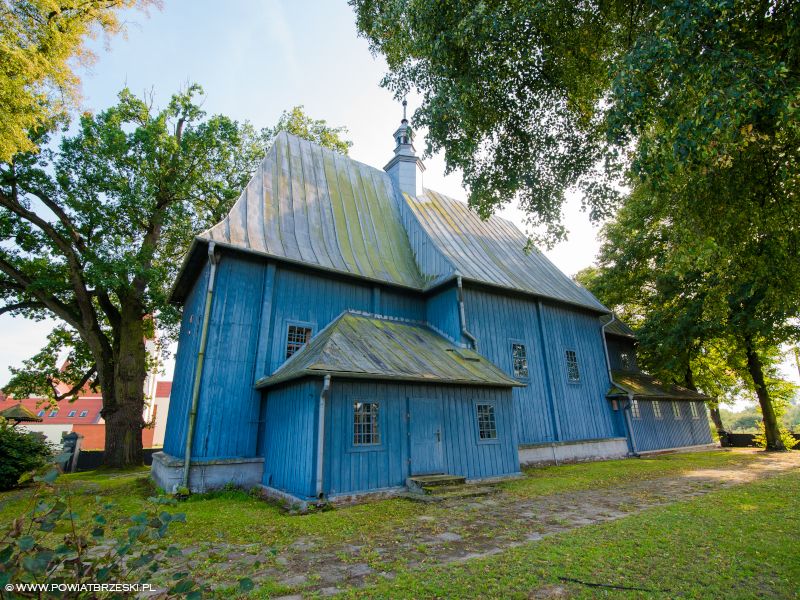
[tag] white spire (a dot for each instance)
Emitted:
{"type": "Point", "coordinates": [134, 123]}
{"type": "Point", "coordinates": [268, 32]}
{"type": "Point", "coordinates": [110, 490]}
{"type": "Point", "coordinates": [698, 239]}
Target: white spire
{"type": "Point", "coordinates": [405, 168]}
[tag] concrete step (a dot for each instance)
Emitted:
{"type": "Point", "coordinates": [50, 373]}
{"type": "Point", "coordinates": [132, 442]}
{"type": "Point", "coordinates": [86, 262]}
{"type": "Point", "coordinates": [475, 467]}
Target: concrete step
{"type": "Point", "coordinates": [454, 492]}
{"type": "Point", "coordinates": [427, 481]}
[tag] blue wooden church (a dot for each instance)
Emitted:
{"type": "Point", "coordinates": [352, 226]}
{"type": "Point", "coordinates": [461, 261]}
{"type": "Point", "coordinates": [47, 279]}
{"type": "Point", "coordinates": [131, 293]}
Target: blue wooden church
{"type": "Point", "coordinates": [345, 329]}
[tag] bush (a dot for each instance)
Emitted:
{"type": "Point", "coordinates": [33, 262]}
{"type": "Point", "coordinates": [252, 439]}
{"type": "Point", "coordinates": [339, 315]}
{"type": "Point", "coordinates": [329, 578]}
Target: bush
{"type": "Point", "coordinates": [20, 452]}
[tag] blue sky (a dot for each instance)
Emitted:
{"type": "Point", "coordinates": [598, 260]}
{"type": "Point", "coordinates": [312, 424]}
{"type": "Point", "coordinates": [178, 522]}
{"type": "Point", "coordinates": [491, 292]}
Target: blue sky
{"type": "Point", "coordinates": [255, 59]}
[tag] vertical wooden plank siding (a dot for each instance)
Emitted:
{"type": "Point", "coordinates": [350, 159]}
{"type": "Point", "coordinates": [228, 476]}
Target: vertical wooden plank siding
{"type": "Point", "coordinates": [225, 425]}
{"type": "Point", "coordinates": [616, 346]}
{"type": "Point", "coordinates": [582, 410]}
{"type": "Point", "coordinates": [185, 365]}
{"type": "Point", "coordinates": [441, 311]}
{"type": "Point", "coordinates": [668, 432]}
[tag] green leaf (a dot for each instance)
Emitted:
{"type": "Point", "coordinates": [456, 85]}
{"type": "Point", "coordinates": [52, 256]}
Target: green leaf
{"type": "Point", "coordinates": [184, 586]}
{"type": "Point", "coordinates": [64, 457]}
{"type": "Point", "coordinates": [51, 476]}
{"type": "Point", "coordinates": [26, 543]}
{"type": "Point", "coordinates": [180, 517]}
{"type": "Point", "coordinates": [195, 595]}
{"type": "Point", "coordinates": [246, 584]}
{"type": "Point", "coordinates": [37, 565]}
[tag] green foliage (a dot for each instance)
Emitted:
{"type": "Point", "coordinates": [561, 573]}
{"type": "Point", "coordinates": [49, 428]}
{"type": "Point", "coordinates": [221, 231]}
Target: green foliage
{"type": "Point", "coordinates": [20, 451]}
{"type": "Point", "coordinates": [41, 44]}
{"type": "Point", "coordinates": [296, 122]}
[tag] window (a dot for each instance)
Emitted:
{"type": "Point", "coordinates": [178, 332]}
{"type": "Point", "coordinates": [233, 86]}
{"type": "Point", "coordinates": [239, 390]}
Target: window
{"type": "Point", "coordinates": [297, 338]}
{"type": "Point", "coordinates": [635, 409]}
{"type": "Point", "coordinates": [84, 413]}
{"type": "Point", "coordinates": [72, 413]}
{"type": "Point", "coordinates": [626, 361]}
{"type": "Point", "coordinates": [572, 366]}
{"type": "Point", "coordinates": [366, 427]}
{"type": "Point", "coordinates": [519, 358]}
{"type": "Point", "coordinates": [40, 413]}
{"type": "Point", "coordinates": [676, 409]}
{"type": "Point", "coordinates": [487, 427]}
{"type": "Point", "coordinates": [693, 406]}
{"type": "Point", "coordinates": [52, 414]}
{"type": "Point", "coordinates": [657, 409]}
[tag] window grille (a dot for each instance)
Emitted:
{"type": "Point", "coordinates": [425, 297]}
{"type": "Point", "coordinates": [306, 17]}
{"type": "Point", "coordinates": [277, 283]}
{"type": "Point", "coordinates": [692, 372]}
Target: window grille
{"type": "Point", "coordinates": [297, 338]}
{"type": "Point", "coordinates": [84, 413]}
{"type": "Point", "coordinates": [52, 414]}
{"type": "Point", "coordinates": [366, 427]}
{"type": "Point", "coordinates": [72, 413]}
{"type": "Point", "coordinates": [520, 358]}
{"type": "Point", "coordinates": [572, 366]}
{"type": "Point", "coordinates": [676, 409]}
{"type": "Point", "coordinates": [657, 409]}
{"type": "Point", "coordinates": [487, 427]}
{"type": "Point", "coordinates": [693, 406]}
{"type": "Point", "coordinates": [635, 409]}
{"type": "Point", "coordinates": [626, 361]}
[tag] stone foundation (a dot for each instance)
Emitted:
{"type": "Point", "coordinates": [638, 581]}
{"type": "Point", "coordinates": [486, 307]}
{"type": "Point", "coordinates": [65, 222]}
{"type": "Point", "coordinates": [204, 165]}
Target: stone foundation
{"type": "Point", "coordinates": [699, 448]}
{"type": "Point", "coordinates": [206, 475]}
{"type": "Point", "coordinates": [573, 451]}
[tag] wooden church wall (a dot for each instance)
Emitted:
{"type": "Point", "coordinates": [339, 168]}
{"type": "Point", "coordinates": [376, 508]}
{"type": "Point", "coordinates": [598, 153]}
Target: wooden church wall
{"type": "Point", "coordinates": [653, 433]}
{"type": "Point", "coordinates": [441, 311]}
{"type": "Point", "coordinates": [616, 346]}
{"type": "Point", "coordinates": [580, 411]}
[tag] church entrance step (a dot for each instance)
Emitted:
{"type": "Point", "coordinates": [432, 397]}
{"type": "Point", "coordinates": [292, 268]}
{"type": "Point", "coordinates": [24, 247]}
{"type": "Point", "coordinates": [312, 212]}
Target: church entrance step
{"type": "Point", "coordinates": [421, 482]}
{"type": "Point", "coordinates": [440, 493]}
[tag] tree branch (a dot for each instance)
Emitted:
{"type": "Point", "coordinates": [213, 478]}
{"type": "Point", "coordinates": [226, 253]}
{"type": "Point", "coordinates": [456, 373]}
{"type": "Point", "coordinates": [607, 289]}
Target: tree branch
{"type": "Point", "coordinates": [20, 305]}
{"type": "Point", "coordinates": [62, 216]}
{"type": "Point", "coordinates": [75, 389]}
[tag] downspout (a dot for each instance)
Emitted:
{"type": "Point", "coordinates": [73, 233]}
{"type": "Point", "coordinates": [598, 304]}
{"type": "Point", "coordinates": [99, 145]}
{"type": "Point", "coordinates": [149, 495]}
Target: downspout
{"type": "Point", "coordinates": [605, 347]}
{"type": "Point", "coordinates": [321, 434]}
{"type": "Point", "coordinates": [629, 425]}
{"type": "Point", "coordinates": [466, 333]}
{"type": "Point", "coordinates": [187, 458]}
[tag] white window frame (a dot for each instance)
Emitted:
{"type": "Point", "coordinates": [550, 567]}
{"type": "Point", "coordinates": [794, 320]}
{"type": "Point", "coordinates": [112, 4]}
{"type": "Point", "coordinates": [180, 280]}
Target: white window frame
{"type": "Point", "coordinates": [676, 410]}
{"type": "Point", "coordinates": [636, 412]}
{"type": "Point", "coordinates": [493, 421]}
{"type": "Point", "coordinates": [512, 343]}
{"type": "Point", "coordinates": [83, 414]}
{"type": "Point", "coordinates": [695, 412]}
{"type": "Point", "coordinates": [657, 410]}
{"type": "Point", "coordinates": [570, 380]}
{"type": "Point", "coordinates": [52, 414]}
{"type": "Point", "coordinates": [301, 325]}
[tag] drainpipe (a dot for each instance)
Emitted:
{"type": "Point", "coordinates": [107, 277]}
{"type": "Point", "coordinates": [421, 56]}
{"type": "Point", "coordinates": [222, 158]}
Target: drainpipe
{"type": "Point", "coordinates": [605, 347]}
{"type": "Point", "coordinates": [187, 458]}
{"type": "Point", "coordinates": [627, 412]}
{"type": "Point", "coordinates": [466, 333]}
{"type": "Point", "coordinates": [321, 434]}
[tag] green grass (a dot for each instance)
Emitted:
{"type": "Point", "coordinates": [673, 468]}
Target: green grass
{"type": "Point", "coordinates": [739, 543]}
{"type": "Point", "coordinates": [568, 478]}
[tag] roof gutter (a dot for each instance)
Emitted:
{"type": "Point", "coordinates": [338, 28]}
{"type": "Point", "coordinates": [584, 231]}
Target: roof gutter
{"type": "Point", "coordinates": [466, 333]}
{"type": "Point", "coordinates": [321, 434]}
{"type": "Point", "coordinates": [212, 259]}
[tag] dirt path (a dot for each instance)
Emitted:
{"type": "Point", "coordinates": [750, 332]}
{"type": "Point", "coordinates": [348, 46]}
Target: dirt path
{"type": "Point", "coordinates": [466, 529]}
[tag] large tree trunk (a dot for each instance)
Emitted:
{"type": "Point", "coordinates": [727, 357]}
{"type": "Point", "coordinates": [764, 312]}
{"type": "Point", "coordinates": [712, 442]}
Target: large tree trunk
{"type": "Point", "coordinates": [716, 417]}
{"type": "Point", "coordinates": [756, 370]}
{"type": "Point", "coordinates": [124, 421]}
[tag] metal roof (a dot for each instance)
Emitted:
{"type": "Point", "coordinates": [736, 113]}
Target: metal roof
{"type": "Point", "coordinates": [648, 387]}
{"type": "Point", "coordinates": [618, 328]}
{"type": "Point", "coordinates": [493, 251]}
{"type": "Point", "coordinates": [310, 205]}
{"type": "Point", "coordinates": [354, 345]}
{"type": "Point", "coordinates": [20, 413]}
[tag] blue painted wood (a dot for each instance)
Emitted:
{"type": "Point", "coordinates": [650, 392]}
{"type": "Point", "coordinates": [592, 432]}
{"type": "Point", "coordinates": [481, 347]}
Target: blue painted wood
{"type": "Point", "coordinates": [185, 365]}
{"type": "Point", "coordinates": [654, 433]}
{"type": "Point", "coordinates": [441, 311]}
{"type": "Point", "coordinates": [581, 410]}
{"type": "Point", "coordinates": [616, 347]}
{"type": "Point", "coordinates": [425, 439]}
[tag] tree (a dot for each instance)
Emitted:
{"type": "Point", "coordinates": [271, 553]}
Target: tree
{"type": "Point", "coordinates": [297, 123]}
{"type": "Point", "coordinates": [94, 235]}
{"type": "Point", "coordinates": [696, 301]}
{"type": "Point", "coordinates": [41, 42]}
{"type": "Point", "coordinates": [531, 99]}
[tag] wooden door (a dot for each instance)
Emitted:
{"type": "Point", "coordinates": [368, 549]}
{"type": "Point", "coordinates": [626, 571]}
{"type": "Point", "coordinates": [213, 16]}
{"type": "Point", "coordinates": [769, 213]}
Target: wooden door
{"type": "Point", "coordinates": [425, 435]}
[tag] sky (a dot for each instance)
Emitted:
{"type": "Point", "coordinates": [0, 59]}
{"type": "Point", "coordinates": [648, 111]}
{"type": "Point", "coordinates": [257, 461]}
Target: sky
{"type": "Point", "coordinates": [255, 59]}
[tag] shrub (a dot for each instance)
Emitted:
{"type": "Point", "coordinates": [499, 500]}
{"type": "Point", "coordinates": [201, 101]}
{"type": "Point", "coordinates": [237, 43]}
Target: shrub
{"type": "Point", "coordinates": [20, 452]}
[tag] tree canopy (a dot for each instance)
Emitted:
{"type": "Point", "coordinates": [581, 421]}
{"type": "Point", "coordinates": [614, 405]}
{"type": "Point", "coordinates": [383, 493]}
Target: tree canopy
{"type": "Point", "coordinates": [41, 44]}
{"type": "Point", "coordinates": [94, 232]}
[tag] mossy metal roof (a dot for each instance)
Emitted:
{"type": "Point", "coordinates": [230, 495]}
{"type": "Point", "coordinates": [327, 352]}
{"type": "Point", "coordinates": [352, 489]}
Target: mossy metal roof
{"type": "Point", "coordinates": [355, 345]}
{"type": "Point", "coordinates": [20, 414]}
{"type": "Point", "coordinates": [648, 387]}
{"type": "Point", "coordinates": [617, 327]}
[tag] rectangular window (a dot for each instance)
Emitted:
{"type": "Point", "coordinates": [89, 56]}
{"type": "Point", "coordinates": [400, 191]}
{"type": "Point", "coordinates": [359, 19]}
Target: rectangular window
{"type": "Point", "coordinates": [520, 360]}
{"type": "Point", "coordinates": [487, 427]}
{"type": "Point", "coordinates": [40, 413]}
{"type": "Point", "coordinates": [572, 366]}
{"type": "Point", "coordinates": [297, 338]}
{"type": "Point", "coordinates": [72, 413]}
{"type": "Point", "coordinates": [84, 413]}
{"type": "Point", "coordinates": [52, 414]}
{"type": "Point", "coordinates": [676, 409]}
{"type": "Point", "coordinates": [657, 409]}
{"type": "Point", "coordinates": [366, 427]}
{"type": "Point", "coordinates": [635, 409]}
{"type": "Point", "coordinates": [626, 361]}
{"type": "Point", "coordinates": [693, 406]}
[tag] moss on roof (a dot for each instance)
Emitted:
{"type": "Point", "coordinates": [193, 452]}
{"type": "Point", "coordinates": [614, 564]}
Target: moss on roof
{"type": "Point", "coordinates": [646, 386]}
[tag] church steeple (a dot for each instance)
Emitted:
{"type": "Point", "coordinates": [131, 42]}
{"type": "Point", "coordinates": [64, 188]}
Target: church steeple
{"type": "Point", "coordinates": [405, 168]}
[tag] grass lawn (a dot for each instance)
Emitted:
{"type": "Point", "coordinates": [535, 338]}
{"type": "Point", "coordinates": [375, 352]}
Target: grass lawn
{"type": "Point", "coordinates": [739, 543]}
